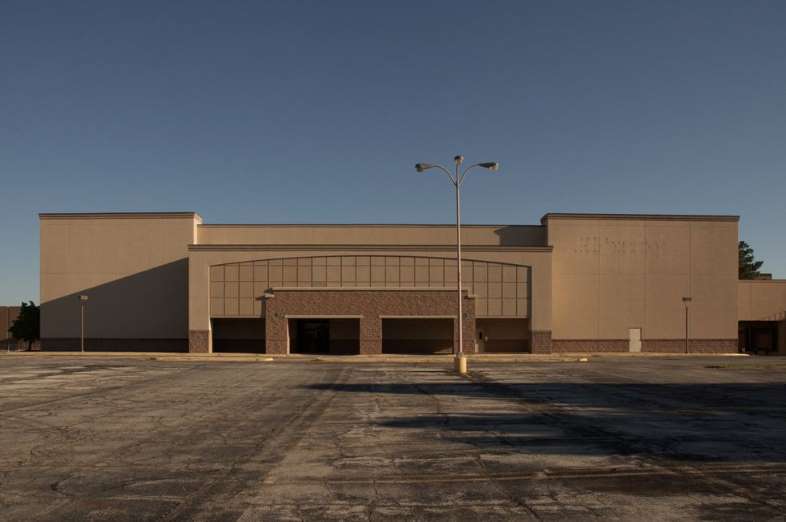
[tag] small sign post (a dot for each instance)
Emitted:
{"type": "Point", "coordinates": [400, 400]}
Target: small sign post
{"type": "Point", "coordinates": [686, 301]}
{"type": "Point", "coordinates": [83, 304]}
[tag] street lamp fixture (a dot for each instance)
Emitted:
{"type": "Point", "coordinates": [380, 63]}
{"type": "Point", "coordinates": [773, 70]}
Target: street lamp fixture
{"type": "Point", "coordinates": [457, 179]}
{"type": "Point", "coordinates": [490, 165]}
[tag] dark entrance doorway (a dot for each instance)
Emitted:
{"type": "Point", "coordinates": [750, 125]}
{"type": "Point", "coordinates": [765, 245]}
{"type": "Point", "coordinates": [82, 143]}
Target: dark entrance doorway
{"type": "Point", "coordinates": [417, 336]}
{"type": "Point", "coordinates": [239, 335]}
{"type": "Point", "coordinates": [759, 337]}
{"type": "Point", "coordinates": [334, 336]}
{"type": "Point", "coordinates": [502, 335]}
{"type": "Point", "coordinates": [312, 336]}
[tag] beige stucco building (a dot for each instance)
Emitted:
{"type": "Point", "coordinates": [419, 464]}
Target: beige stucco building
{"type": "Point", "coordinates": [573, 283]}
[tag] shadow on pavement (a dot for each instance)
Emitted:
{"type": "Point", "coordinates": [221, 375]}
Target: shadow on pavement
{"type": "Point", "coordinates": [681, 422]}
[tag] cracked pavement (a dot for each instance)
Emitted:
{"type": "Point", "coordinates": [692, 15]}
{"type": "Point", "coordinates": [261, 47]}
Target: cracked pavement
{"type": "Point", "coordinates": [89, 438]}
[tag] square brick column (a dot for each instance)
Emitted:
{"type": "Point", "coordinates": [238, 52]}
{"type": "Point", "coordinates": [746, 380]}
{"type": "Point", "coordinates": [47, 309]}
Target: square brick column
{"type": "Point", "coordinates": [276, 330]}
{"type": "Point", "coordinates": [370, 335]}
{"type": "Point", "coordinates": [276, 337]}
{"type": "Point", "coordinates": [541, 341]}
{"type": "Point", "coordinates": [200, 341]}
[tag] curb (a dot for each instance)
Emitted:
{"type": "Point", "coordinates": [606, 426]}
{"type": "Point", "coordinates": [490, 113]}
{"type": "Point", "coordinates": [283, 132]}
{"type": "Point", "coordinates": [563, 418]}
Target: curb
{"type": "Point", "coordinates": [368, 359]}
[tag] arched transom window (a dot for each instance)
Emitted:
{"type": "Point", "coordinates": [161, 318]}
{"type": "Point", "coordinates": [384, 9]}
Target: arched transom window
{"type": "Point", "coordinates": [500, 289]}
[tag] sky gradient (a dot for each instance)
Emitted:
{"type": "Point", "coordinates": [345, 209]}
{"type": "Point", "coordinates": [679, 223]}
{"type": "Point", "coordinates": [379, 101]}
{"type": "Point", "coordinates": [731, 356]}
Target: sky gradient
{"type": "Point", "coordinates": [291, 111]}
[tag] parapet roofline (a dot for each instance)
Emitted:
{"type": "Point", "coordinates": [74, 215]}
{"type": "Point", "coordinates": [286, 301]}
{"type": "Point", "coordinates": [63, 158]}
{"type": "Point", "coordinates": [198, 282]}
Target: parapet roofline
{"type": "Point", "coordinates": [550, 215]}
{"type": "Point", "coordinates": [363, 225]}
{"type": "Point", "coordinates": [222, 247]}
{"type": "Point", "coordinates": [650, 217]}
{"type": "Point", "coordinates": [118, 215]}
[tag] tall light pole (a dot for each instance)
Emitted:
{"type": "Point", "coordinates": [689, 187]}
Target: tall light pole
{"type": "Point", "coordinates": [457, 180]}
{"type": "Point", "coordinates": [83, 305]}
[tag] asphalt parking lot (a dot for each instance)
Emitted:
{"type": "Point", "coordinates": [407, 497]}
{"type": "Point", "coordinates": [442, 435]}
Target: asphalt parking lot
{"type": "Point", "coordinates": [628, 439]}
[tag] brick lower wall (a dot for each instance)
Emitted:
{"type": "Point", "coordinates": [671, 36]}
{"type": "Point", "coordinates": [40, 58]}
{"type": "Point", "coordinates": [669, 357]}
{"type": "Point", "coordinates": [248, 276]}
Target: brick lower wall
{"type": "Point", "coordinates": [18, 345]}
{"type": "Point", "coordinates": [541, 341]}
{"type": "Point", "coordinates": [694, 345]}
{"type": "Point", "coordinates": [70, 344]}
{"type": "Point", "coordinates": [647, 345]}
{"type": "Point", "coordinates": [371, 305]}
{"type": "Point", "coordinates": [589, 345]}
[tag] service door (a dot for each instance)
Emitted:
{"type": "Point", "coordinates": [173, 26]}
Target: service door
{"type": "Point", "coordinates": [634, 340]}
{"type": "Point", "coordinates": [480, 343]}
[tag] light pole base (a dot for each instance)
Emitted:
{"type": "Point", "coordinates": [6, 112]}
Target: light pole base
{"type": "Point", "coordinates": [460, 364]}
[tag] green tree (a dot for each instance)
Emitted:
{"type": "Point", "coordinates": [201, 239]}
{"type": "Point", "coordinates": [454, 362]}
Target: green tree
{"type": "Point", "coordinates": [749, 267]}
{"type": "Point", "coordinates": [28, 325]}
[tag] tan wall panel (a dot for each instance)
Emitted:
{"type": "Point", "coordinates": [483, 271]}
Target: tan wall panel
{"type": "Point", "coordinates": [710, 314]}
{"type": "Point", "coordinates": [53, 243]}
{"type": "Point", "coordinates": [621, 249]}
{"type": "Point", "coordinates": [744, 312]}
{"type": "Point", "coordinates": [621, 305]}
{"type": "Point", "coordinates": [492, 235]}
{"type": "Point", "coordinates": [575, 303]}
{"type": "Point", "coordinates": [614, 274]}
{"type": "Point", "coordinates": [578, 245]}
{"type": "Point", "coordinates": [107, 248]}
{"type": "Point", "coordinates": [761, 300]}
{"type": "Point", "coordinates": [134, 270]}
{"type": "Point", "coordinates": [668, 247]}
{"type": "Point", "coordinates": [710, 252]}
{"type": "Point", "coordinates": [665, 317]}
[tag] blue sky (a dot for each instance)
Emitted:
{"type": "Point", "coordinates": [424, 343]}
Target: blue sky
{"type": "Point", "coordinates": [295, 111]}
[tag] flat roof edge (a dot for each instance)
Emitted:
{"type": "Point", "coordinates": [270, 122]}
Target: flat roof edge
{"type": "Point", "coordinates": [653, 217]}
{"type": "Point", "coordinates": [117, 215]}
{"type": "Point", "coordinates": [323, 247]}
{"type": "Point", "coordinates": [362, 225]}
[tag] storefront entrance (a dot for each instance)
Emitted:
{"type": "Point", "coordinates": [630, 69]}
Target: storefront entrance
{"type": "Point", "coordinates": [313, 336]}
{"type": "Point", "coordinates": [758, 337]}
{"type": "Point", "coordinates": [361, 321]}
{"type": "Point", "coordinates": [324, 336]}
{"type": "Point", "coordinates": [417, 336]}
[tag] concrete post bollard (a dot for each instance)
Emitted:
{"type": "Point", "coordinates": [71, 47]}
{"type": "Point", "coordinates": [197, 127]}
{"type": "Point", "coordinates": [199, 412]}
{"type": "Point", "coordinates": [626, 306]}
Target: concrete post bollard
{"type": "Point", "coordinates": [461, 364]}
